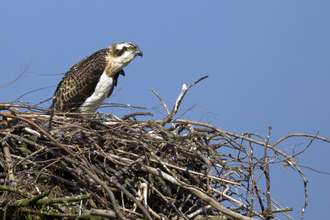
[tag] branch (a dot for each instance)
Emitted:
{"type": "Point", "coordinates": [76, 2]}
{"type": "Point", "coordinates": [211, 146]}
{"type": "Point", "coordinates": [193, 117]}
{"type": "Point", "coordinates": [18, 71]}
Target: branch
{"type": "Point", "coordinates": [179, 100]}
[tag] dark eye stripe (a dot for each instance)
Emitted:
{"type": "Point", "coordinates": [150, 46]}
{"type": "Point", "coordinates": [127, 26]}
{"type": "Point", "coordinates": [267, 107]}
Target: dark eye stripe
{"type": "Point", "coordinates": [118, 53]}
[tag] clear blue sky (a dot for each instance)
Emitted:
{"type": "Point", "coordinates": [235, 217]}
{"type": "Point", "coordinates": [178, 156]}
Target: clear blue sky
{"type": "Point", "coordinates": [268, 62]}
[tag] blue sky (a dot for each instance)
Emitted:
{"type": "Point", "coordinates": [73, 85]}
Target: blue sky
{"type": "Point", "coordinates": [267, 61]}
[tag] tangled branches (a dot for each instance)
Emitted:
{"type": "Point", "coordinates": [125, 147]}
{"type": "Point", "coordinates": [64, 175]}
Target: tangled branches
{"type": "Point", "coordinates": [102, 165]}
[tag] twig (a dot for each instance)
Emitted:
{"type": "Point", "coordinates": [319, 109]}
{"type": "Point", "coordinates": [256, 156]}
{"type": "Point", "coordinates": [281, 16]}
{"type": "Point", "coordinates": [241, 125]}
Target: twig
{"type": "Point", "coordinates": [25, 202]}
{"type": "Point", "coordinates": [136, 114]}
{"type": "Point", "coordinates": [179, 100]}
{"type": "Point", "coordinates": [165, 106]}
{"type": "Point", "coordinates": [9, 164]}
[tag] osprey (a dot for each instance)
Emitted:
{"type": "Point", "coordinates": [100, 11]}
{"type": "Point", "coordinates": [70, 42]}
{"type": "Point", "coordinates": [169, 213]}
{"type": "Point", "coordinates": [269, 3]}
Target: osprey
{"type": "Point", "coordinates": [85, 86]}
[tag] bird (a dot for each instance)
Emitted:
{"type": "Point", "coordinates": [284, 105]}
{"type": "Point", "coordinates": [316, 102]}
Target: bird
{"type": "Point", "coordinates": [86, 84]}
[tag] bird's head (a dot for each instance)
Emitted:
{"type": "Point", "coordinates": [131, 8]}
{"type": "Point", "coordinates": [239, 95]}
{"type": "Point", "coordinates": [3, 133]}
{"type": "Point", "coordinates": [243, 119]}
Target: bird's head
{"type": "Point", "coordinates": [125, 52]}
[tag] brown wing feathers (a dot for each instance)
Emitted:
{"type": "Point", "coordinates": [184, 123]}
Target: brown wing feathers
{"type": "Point", "coordinates": [79, 82]}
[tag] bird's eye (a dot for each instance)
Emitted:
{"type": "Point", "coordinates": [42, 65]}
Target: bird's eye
{"type": "Point", "coordinates": [130, 48]}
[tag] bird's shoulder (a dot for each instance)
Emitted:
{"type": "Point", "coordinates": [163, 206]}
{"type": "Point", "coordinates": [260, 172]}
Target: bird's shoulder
{"type": "Point", "coordinates": [92, 65]}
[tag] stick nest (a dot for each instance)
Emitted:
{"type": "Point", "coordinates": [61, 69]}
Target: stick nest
{"type": "Point", "coordinates": [100, 165]}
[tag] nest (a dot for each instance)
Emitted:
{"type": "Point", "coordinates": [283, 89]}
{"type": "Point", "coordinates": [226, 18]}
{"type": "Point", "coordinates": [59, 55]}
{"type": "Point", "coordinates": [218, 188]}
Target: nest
{"type": "Point", "coordinates": [122, 168]}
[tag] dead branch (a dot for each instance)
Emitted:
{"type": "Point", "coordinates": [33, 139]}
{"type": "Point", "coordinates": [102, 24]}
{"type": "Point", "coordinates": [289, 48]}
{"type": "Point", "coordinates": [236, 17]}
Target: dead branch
{"type": "Point", "coordinates": [179, 100]}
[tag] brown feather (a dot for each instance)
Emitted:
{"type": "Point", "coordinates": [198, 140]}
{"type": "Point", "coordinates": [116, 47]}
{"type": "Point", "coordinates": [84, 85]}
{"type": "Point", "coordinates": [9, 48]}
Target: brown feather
{"type": "Point", "coordinates": [80, 81]}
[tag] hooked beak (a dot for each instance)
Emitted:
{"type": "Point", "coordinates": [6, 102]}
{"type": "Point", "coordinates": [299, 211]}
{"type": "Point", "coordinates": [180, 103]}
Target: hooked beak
{"type": "Point", "coordinates": [139, 53]}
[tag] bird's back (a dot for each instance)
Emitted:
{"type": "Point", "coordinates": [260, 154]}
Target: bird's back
{"type": "Point", "coordinates": [79, 82]}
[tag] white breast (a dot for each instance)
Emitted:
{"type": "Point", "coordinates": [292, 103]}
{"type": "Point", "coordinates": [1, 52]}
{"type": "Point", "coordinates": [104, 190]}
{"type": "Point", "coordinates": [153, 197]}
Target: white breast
{"type": "Point", "coordinates": [101, 91]}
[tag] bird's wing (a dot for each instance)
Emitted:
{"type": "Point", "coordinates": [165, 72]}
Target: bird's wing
{"type": "Point", "coordinates": [115, 80]}
{"type": "Point", "coordinates": [79, 82]}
